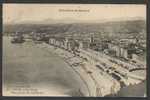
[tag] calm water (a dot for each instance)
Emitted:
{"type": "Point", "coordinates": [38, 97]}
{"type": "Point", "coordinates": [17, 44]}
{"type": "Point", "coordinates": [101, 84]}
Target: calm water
{"type": "Point", "coordinates": [26, 65]}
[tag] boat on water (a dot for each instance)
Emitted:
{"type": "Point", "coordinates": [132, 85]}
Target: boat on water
{"type": "Point", "coordinates": [17, 38]}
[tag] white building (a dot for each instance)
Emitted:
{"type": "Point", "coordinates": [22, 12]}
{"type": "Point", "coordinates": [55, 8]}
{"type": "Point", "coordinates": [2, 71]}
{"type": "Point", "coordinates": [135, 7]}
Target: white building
{"type": "Point", "coordinates": [120, 50]}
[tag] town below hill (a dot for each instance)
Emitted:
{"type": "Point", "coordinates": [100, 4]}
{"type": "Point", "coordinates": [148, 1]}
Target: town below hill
{"type": "Point", "coordinates": [119, 29]}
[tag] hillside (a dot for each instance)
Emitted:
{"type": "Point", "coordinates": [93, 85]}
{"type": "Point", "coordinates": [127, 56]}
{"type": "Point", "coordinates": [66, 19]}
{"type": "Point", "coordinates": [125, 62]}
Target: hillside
{"type": "Point", "coordinates": [128, 27]}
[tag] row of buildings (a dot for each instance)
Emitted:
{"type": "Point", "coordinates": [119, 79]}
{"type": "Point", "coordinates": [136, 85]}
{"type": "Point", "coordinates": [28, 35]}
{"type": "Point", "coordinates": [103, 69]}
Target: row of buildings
{"type": "Point", "coordinates": [127, 50]}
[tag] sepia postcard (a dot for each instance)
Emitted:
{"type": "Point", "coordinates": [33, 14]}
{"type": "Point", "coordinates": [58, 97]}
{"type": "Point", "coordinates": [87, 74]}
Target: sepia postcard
{"type": "Point", "coordinates": [74, 50]}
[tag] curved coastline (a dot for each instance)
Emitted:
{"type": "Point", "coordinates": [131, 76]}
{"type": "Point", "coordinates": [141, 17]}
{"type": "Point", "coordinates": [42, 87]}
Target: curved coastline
{"type": "Point", "coordinates": [86, 77]}
{"type": "Point", "coordinates": [73, 81]}
{"type": "Point", "coordinates": [89, 93]}
{"type": "Point", "coordinates": [55, 76]}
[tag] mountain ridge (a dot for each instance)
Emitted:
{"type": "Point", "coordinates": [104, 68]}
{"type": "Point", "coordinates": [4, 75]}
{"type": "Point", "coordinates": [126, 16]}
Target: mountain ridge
{"type": "Point", "coordinates": [70, 20]}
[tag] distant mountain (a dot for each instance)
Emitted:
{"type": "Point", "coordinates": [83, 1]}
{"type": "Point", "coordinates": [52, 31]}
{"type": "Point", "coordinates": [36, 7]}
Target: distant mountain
{"type": "Point", "coordinates": [70, 20]}
{"type": "Point", "coordinates": [109, 27]}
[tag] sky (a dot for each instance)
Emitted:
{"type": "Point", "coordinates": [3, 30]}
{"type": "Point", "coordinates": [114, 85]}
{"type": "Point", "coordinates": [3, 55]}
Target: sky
{"type": "Point", "coordinates": [19, 13]}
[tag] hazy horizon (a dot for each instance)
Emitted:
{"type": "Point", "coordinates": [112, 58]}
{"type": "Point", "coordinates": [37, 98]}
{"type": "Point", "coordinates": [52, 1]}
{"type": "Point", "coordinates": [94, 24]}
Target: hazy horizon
{"type": "Point", "coordinates": [50, 13]}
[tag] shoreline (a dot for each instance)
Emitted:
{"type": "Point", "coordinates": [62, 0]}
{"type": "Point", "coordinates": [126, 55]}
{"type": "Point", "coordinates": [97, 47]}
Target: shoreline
{"type": "Point", "coordinates": [61, 56]}
{"type": "Point", "coordinates": [90, 81]}
{"type": "Point", "coordinates": [121, 88]}
{"type": "Point", "coordinates": [68, 82]}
